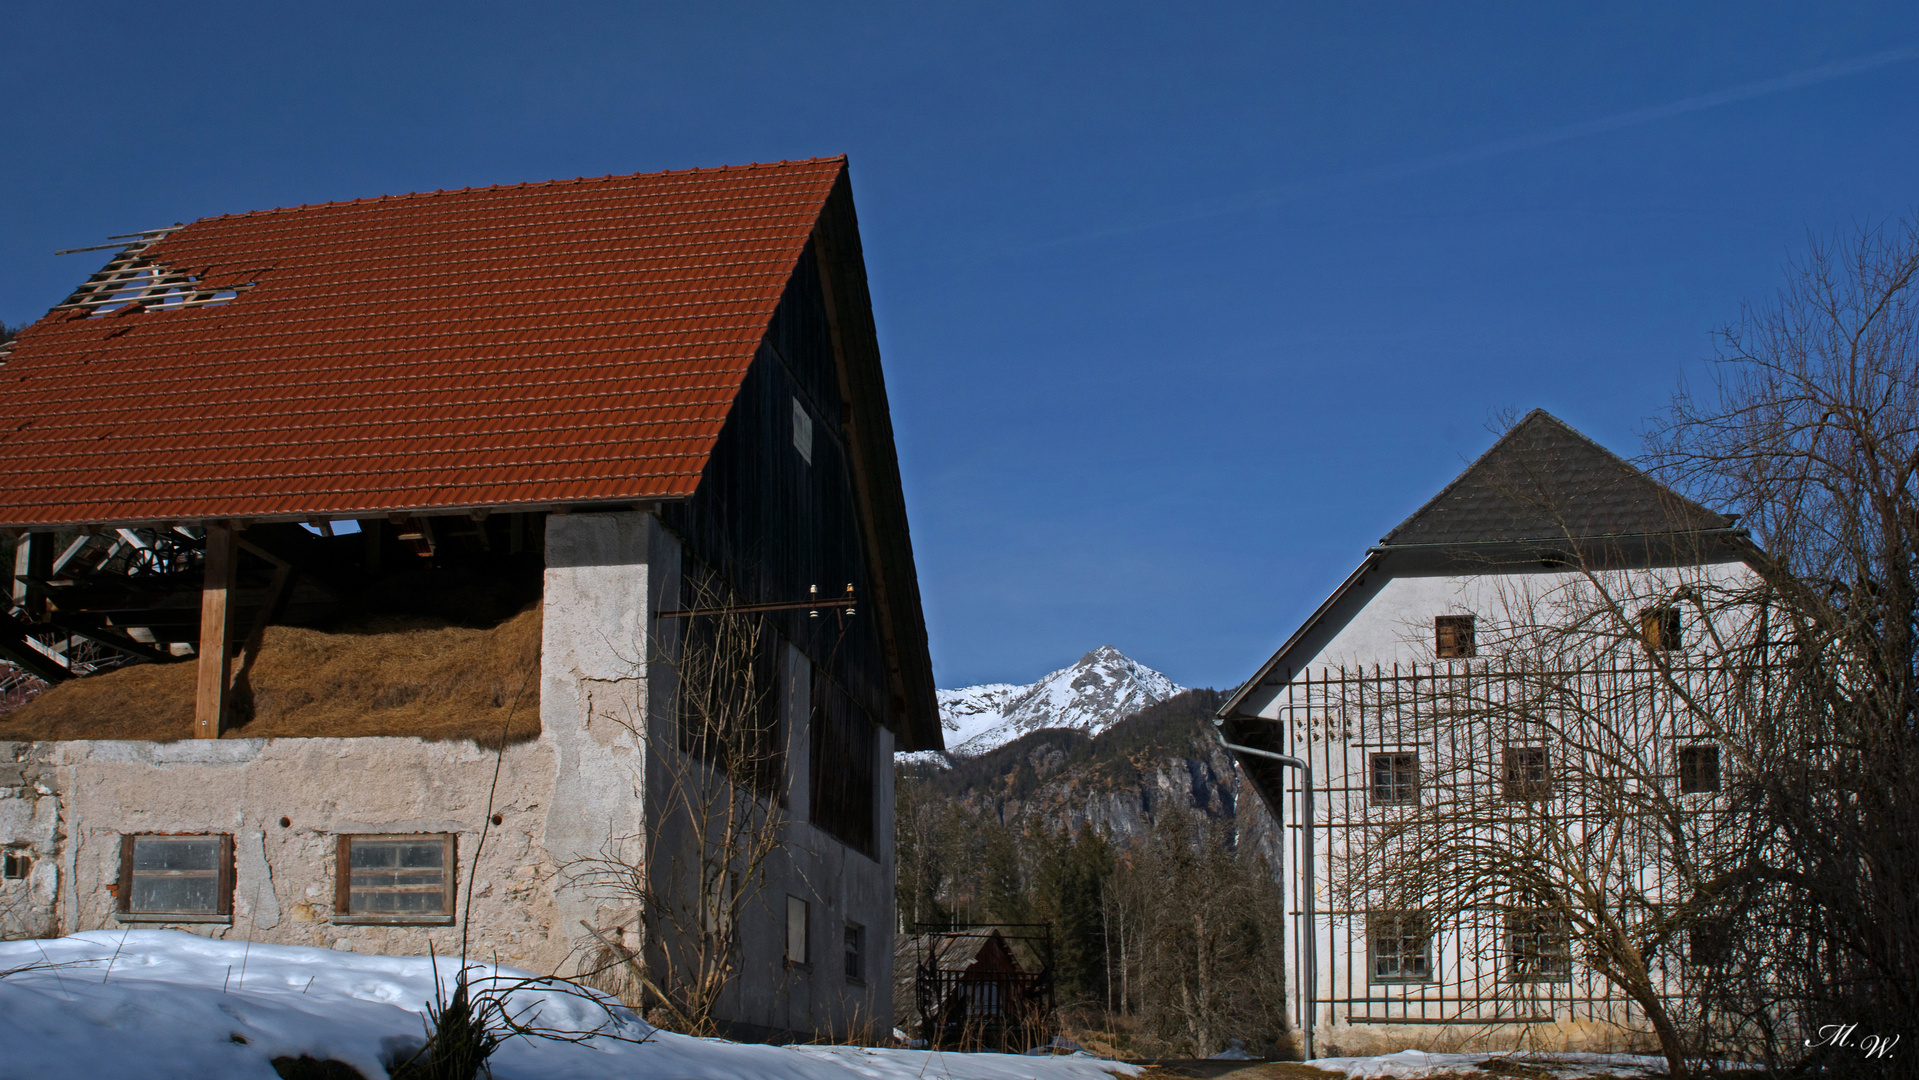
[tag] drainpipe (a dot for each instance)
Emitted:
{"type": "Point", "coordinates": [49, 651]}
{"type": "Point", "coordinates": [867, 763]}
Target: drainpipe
{"type": "Point", "coordinates": [1308, 1003]}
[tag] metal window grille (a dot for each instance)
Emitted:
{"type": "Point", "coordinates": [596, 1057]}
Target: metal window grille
{"type": "Point", "coordinates": [1395, 778]}
{"type": "Point", "coordinates": [1462, 716]}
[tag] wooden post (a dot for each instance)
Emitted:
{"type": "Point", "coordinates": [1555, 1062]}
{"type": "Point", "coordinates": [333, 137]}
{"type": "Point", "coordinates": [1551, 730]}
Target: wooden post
{"type": "Point", "coordinates": [216, 659]}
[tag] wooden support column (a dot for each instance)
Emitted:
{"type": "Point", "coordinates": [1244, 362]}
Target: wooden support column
{"type": "Point", "coordinates": [216, 655]}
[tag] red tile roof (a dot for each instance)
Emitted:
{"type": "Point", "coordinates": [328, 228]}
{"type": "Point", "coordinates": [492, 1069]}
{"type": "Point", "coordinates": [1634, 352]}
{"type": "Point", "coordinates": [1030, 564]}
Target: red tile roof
{"type": "Point", "coordinates": [561, 342]}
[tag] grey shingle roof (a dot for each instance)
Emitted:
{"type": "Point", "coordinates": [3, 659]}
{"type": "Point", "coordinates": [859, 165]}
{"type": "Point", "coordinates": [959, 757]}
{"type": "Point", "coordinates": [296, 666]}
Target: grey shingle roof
{"type": "Point", "coordinates": [1543, 480]}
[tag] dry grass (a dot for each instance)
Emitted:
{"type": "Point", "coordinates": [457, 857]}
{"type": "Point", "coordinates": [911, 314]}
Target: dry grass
{"type": "Point", "coordinates": [387, 676]}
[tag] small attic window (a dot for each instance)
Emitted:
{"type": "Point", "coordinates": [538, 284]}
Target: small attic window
{"type": "Point", "coordinates": [1662, 629]}
{"type": "Point", "coordinates": [802, 431]}
{"type": "Point", "coordinates": [1453, 637]}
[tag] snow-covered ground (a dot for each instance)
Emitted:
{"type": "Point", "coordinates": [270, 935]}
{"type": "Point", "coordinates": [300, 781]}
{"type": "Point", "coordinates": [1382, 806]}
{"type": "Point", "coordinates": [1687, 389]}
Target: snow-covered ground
{"type": "Point", "coordinates": [1419, 1065]}
{"type": "Point", "coordinates": [1102, 687]}
{"type": "Point", "coordinates": [161, 1003]}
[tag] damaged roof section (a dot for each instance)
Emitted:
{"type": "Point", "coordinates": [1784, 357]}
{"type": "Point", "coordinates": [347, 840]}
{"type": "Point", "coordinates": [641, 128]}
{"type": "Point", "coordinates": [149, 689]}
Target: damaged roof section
{"type": "Point", "coordinates": [542, 344]}
{"type": "Point", "coordinates": [133, 283]}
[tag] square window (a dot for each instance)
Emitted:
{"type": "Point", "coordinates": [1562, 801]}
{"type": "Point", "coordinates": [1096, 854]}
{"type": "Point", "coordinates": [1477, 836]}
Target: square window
{"type": "Point", "coordinates": [1400, 946]}
{"type": "Point", "coordinates": [1396, 778]}
{"type": "Point", "coordinates": [1526, 773]}
{"type": "Point", "coordinates": [1708, 944]}
{"type": "Point", "coordinates": [18, 865]}
{"type": "Point", "coordinates": [1453, 637]}
{"type": "Point", "coordinates": [1661, 629]}
{"type": "Point", "coordinates": [797, 918]}
{"type": "Point", "coordinates": [388, 878]}
{"type": "Point", "coordinates": [1698, 769]}
{"type": "Point", "coordinates": [1537, 947]}
{"type": "Point", "coordinates": [175, 878]}
{"type": "Point", "coordinates": [856, 952]}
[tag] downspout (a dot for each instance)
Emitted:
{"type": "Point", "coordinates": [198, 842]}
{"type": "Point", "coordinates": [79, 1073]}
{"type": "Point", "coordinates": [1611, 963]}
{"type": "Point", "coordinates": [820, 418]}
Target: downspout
{"type": "Point", "coordinates": [1308, 1003]}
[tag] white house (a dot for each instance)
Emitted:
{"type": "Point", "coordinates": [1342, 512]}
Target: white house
{"type": "Point", "coordinates": [1512, 650]}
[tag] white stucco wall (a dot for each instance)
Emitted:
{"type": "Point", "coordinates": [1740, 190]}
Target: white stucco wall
{"type": "Point", "coordinates": [604, 573]}
{"type": "Point", "coordinates": [284, 874]}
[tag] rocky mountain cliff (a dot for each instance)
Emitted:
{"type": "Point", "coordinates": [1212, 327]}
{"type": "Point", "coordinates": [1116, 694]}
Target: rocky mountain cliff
{"type": "Point", "coordinates": [1103, 687]}
{"type": "Point", "coordinates": [1117, 778]}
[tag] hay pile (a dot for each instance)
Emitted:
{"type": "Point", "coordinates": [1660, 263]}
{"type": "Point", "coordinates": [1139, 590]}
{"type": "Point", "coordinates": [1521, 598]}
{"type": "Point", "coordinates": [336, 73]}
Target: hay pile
{"type": "Point", "coordinates": [386, 676]}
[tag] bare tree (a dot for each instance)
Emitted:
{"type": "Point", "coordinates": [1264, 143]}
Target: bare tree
{"type": "Point", "coordinates": [1811, 429]}
{"type": "Point", "coordinates": [715, 754]}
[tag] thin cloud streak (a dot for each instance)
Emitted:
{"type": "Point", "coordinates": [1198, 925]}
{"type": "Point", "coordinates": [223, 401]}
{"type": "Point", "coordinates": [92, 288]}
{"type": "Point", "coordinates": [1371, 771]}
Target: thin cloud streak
{"type": "Point", "coordinates": [1400, 170]}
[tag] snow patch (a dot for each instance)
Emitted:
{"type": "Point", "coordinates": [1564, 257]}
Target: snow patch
{"type": "Point", "coordinates": [162, 1004]}
{"type": "Point", "coordinates": [1420, 1065]}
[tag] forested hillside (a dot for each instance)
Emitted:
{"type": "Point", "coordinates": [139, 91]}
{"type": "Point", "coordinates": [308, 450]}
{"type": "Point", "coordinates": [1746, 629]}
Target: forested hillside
{"type": "Point", "coordinates": [1138, 849]}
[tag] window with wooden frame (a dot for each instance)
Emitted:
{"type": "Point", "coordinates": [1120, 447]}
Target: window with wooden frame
{"type": "Point", "coordinates": [166, 878]}
{"type": "Point", "coordinates": [798, 931]}
{"type": "Point", "coordinates": [1538, 948]}
{"type": "Point", "coordinates": [1709, 945]}
{"type": "Point", "coordinates": [402, 879]}
{"type": "Point", "coordinates": [1661, 629]}
{"type": "Point", "coordinates": [18, 866]}
{"type": "Point", "coordinates": [1453, 637]}
{"type": "Point", "coordinates": [1399, 946]}
{"type": "Point", "coordinates": [1395, 778]}
{"type": "Point", "coordinates": [1698, 769]}
{"type": "Point", "coordinates": [1526, 772]}
{"type": "Point", "coordinates": [855, 952]}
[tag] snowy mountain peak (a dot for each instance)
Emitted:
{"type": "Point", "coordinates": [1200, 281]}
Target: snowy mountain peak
{"type": "Point", "coordinates": [1102, 687]}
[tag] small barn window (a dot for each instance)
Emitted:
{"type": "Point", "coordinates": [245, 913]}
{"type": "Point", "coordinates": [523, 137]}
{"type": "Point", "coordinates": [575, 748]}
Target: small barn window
{"type": "Point", "coordinates": [798, 918]}
{"type": "Point", "coordinates": [1526, 773]}
{"type": "Point", "coordinates": [1698, 769]}
{"type": "Point", "coordinates": [802, 431]}
{"type": "Point", "coordinates": [845, 744]}
{"type": "Point", "coordinates": [175, 878]}
{"type": "Point", "coordinates": [856, 952]}
{"type": "Point", "coordinates": [1395, 778]}
{"type": "Point", "coordinates": [1662, 629]}
{"type": "Point", "coordinates": [1453, 636]}
{"type": "Point", "coordinates": [1537, 947]}
{"type": "Point", "coordinates": [387, 878]}
{"type": "Point", "coordinates": [18, 866]}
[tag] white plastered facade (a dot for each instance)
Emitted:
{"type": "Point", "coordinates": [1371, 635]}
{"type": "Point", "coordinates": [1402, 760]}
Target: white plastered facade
{"type": "Point", "coordinates": [1384, 622]}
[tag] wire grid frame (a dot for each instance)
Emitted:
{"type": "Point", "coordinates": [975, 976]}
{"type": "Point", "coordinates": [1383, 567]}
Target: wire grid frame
{"type": "Point", "coordinates": [1612, 727]}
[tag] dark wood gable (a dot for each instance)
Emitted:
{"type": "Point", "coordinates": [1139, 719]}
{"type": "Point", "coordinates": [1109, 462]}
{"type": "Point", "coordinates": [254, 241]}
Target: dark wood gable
{"type": "Point", "coordinates": [774, 524]}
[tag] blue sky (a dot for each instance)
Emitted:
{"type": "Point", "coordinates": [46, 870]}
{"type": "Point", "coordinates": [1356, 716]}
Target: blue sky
{"type": "Point", "coordinates": [1182, 306]}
